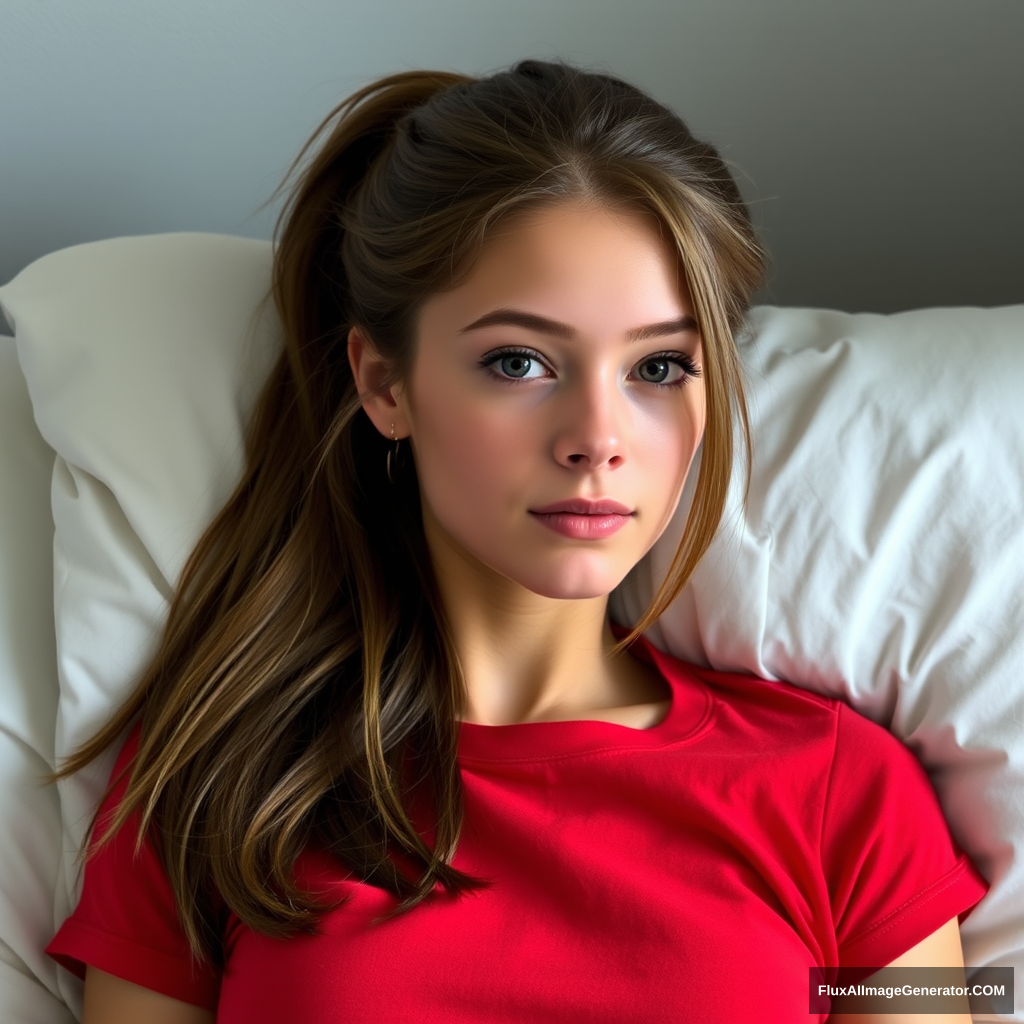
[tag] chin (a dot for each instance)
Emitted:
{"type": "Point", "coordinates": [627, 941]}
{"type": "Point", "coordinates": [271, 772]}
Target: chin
{"type": "Point", "coordinates": [566, 585]}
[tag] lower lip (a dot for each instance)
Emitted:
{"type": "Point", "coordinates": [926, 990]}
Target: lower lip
{"type": "Point", "coordinates": [581, 527]}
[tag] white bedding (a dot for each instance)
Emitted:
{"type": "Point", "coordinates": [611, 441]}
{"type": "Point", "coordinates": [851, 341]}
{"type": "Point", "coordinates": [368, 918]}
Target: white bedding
{"type": "Point", "coordinates": [880, 557]}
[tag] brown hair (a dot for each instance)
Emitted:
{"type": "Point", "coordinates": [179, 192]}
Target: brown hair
{"type": "Point", "coordinates": [306, 679]}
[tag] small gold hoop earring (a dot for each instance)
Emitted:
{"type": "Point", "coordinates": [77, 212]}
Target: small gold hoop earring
{"type": "Point", "coordinates": [397, 441]}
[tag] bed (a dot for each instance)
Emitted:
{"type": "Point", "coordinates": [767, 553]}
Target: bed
{"type": "Point", "coordinates": [880, 557]}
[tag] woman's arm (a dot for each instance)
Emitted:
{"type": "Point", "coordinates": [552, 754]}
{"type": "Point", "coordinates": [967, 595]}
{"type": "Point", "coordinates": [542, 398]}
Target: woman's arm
{"type": "Point", "coordinates": [941, 949]}
{"type": "Point", "coordinates": [112, 1000]}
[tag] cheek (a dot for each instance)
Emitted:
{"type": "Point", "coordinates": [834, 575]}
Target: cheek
{"type": "Point", "coordinates": [668, 448]}
{"type": "Point", "coordinates": [458, 457]}
{"type": "Point", "coordinates": [468, 459]}
{"type": "Point", "coordinates": [671, 432]}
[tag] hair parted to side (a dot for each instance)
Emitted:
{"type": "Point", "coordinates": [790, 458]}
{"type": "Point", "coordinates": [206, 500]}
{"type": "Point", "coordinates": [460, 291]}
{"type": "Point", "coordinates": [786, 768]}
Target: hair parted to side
{"type": "Point", "coordinates": [307, 680]}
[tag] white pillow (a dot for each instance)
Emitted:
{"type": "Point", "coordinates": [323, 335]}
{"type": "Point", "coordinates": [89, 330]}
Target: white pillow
{"type": "Point", "coordinates": [143, 368]}
{"type": "Point", "coordinates": [879, 557]}
{"type": "Point", "coordinates": [30, 831]}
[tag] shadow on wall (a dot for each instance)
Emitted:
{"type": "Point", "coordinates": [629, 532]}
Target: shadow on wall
{"type": "Point", "coordinates": [880, 145]}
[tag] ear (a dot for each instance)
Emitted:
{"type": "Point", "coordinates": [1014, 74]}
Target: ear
{"type": "Point", "coordinates": [369, 371]}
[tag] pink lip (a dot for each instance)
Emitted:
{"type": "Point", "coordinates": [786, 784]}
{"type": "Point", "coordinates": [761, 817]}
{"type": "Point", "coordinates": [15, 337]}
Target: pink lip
{"type": "Point", "coordinates": [585, 507]}
{"type": "Point", "coordinates": [583, 519]}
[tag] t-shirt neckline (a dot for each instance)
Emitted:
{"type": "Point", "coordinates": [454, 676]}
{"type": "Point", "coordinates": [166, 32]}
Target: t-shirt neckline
{"type": "Point", "coordinates": [688, 715]}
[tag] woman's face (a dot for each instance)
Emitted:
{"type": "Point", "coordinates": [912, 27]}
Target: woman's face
{"type": "Point", "coordinates": [559, 370]}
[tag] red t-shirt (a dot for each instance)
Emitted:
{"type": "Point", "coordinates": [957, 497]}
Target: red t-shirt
{"type": "Point", "coordinates": [691, 871]}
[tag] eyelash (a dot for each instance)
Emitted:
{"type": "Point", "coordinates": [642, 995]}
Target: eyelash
{"type": "Point", "coordinates": [681, 359]}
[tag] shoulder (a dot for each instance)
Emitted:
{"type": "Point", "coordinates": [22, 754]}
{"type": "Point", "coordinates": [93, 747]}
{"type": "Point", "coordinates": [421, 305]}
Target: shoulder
{"type": "Point", "coordinates": [780, 720]}
{"type": "Point", "coordinates": [126, 922]}
{"type": "Point", "coordinates": [784, 712]}
{"type": "Point", "coordinates": [753, 691]}
{"type": "Point", "coordinates": [858, 748]}
{"type": "Point", "coordinates": [859, 762]}
{"type": "Point", "coordinates": [746, 693]}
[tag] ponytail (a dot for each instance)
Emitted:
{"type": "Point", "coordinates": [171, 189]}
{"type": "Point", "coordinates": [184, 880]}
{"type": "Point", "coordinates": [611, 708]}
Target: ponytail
{"type": "Point", "coordinates": [310, 286]}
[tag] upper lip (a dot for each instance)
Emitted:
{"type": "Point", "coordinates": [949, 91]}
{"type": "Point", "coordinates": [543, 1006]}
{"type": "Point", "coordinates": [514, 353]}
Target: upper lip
{"type": "Point", "coordinates": [586, 507]}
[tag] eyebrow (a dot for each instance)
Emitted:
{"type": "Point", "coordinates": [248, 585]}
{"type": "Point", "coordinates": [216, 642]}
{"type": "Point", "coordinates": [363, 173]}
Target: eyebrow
{"type": "Point", "coordinates": [542, 325]}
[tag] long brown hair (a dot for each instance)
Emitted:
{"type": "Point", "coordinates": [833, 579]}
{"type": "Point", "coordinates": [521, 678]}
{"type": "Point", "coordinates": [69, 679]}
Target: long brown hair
{"type": "Point", "coordinates": [306, 654]}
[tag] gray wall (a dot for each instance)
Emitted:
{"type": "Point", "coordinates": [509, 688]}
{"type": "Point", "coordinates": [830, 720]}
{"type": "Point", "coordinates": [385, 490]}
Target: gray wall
{"type": "Point", "coordinates": [879, 142]}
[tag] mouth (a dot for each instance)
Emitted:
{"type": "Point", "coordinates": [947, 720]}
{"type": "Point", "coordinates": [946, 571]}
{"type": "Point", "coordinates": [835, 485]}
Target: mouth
{"type": "Point", "coordinates": [585, 507]}
{"type": "Point", "coordinates": [582, 518]}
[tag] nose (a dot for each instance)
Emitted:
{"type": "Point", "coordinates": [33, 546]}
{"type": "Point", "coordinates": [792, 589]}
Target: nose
{"type": "Point", "coordinates": [591, 435]}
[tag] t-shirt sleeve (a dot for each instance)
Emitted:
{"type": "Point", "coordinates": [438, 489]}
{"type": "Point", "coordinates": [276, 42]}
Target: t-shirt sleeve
{"type": "Point", "coordinates": [894, 872]}
{"type": "Point", "coordinates": [126, 922]}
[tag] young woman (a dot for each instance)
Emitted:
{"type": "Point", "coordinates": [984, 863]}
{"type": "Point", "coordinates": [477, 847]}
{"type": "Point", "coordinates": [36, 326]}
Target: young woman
{"type": "Point", "coordinates": [392, 762]}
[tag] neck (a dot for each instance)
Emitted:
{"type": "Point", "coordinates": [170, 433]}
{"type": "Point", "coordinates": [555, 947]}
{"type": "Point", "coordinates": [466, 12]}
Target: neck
{"type": "Point", "coordinates": [526, 657]}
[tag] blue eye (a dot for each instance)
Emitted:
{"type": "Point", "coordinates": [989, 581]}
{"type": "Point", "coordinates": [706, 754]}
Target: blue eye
{"type": "Point", "coordinates": [515, 364]}
{"type": "Point", "coordinates": [655, 369]}
{"type": "Point", "coordinates": [658, 370]}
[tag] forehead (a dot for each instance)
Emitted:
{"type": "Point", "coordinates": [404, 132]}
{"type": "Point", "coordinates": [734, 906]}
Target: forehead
{"type": "Point", "coordinates": [599, 269]}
